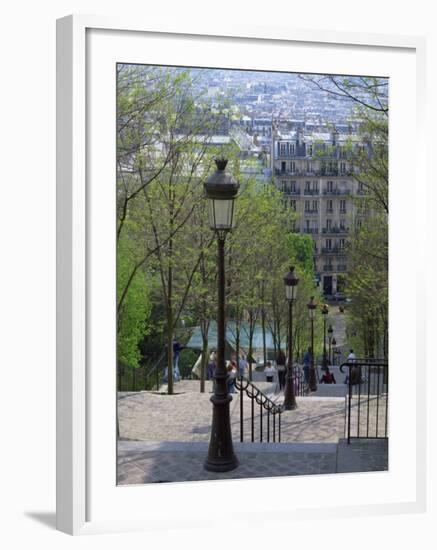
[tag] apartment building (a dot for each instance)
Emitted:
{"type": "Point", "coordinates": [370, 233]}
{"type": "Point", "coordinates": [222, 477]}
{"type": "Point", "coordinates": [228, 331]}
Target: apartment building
{"type": "Point", "coordinates": [314, 172]}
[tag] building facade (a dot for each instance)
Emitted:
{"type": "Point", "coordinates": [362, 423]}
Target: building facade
{"type": "Point", "coordinates": [315, 174]}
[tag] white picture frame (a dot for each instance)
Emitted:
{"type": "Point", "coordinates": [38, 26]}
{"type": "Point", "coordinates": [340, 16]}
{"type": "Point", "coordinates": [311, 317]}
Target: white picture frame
{"type": "Point", "coordinates": [75, 391]}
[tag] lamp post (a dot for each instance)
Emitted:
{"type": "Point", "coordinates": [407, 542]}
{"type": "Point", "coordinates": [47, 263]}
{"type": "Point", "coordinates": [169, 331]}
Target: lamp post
{"type": "Point", "coordinates": [221, 190]}
{"type": "Point", "coordinates": [330, 331]}
{"type": "Point", "coordinates": [312, 382]}
{"type": "Point", "coordinates": [325, 310]}
{"type": "Point", "coordinates": [334, 349]}
{"type": "Point", "coordinates": [290, 282]}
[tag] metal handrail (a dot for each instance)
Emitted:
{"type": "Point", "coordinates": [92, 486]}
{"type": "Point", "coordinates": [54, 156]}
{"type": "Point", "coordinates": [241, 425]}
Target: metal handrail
{"type": "Point", "coordinates": [256, 396]}
{"type": "Point", "coordinates": [155, 370]}
{"type": "Point", "coordinates": [365, 384]}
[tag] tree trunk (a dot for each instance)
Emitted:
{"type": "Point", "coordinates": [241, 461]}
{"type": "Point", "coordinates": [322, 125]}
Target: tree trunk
{"type": "Point", "coordinates": [204, 361]}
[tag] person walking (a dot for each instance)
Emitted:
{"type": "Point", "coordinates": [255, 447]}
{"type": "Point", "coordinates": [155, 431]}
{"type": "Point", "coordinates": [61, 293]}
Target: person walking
{"type": "Point", "coordinates": [280, 365]}
{"type": "Point", "coordinates": [232, 374]}
{"type": "Point", "coordinates": [353, 376]}
{"type": "Point", "coordinates": [242, 365]}
{"type": "Point", "coordinates": [212, 362]}
{"type": "Point", "coordinates": [177, 348]}
{"type": "Point", "coordinates": [307, 361]}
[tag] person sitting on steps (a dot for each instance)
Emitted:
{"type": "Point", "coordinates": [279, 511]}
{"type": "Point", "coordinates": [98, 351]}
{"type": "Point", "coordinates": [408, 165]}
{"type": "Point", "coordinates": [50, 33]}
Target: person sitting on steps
{"type": "Point", "coordinates": [328, 377]}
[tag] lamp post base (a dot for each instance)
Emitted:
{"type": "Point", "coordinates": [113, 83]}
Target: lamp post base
{"type": "Point", "coordinates": [221, 456]}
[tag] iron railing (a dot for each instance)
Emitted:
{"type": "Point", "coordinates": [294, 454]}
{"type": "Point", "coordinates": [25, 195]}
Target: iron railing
{"type": "Point", "coordinates": [141, 378]}
{"type": "Point", "coordinates": [366, 402]}
{"type": "Point", "coordinates": [269, 429]}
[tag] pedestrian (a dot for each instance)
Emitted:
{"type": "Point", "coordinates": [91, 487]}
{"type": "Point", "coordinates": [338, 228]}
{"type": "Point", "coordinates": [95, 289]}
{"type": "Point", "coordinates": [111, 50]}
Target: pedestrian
{"type": "Point", "coordinates": [232, 374]}
{"type": "Point", "coordinates": [177, 348]}
{"type": "Point", "coordinates": [242, 364]}
{"type": "Point", "coordinates": [328, 377]}
{"type": "Point", "coordinates": [212, 363]}
{"type": "Point", "coordinates": [280, 364]}
{"type": "Point", "coordinates": [269, 371]}
{"type": "Point", "coordinates": [353, 376]}
{"type": "Point", "coordinates": [307, 362]}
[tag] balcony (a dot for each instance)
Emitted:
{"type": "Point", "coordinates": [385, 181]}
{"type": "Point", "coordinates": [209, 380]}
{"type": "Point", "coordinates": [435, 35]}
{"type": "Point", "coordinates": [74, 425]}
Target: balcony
{"type": "Point", "coordinates": [279, 172]}
{"type": "Point", "coordinates": [311, 230]}
{"type": "Point", "coordinates": [313, 173]}
{"type": "Point", "coordinates": [289, 193]}
{"type": "Point", "coordinates": [310, 212]}
{"type": "Point", "coordinates": [333, 250]}
{"type": "Point", "coordinates": [311, 192]}
{"type": "Point", "coordinates": [335, 230]}
{"type": "Point", "coordinates": [336, 192]}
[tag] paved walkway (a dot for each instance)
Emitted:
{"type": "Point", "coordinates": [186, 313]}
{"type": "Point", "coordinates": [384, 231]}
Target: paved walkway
{"type": "Point", "coordinates": [186, 416]}
{"type": "Point", "coordinates": [159, 462]}
{"type": "Point", "coordinates": [140, 462]}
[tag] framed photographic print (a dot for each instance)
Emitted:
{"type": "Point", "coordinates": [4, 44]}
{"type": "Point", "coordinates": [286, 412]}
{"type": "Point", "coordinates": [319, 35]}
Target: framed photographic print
{"type": "Point", "coordinates": [234, 209]}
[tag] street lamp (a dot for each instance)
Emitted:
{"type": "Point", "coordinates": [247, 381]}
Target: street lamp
{"type": "Point", "coordinates": [312, 313]}
{"type": "Point", "coordinates": [325, 310]}
{"type": "Point", "coordinates": [330, 331]}
{"type": "Point", "coordinates": [221, 190]}
{"type": "Point", "coordinates": [290, 282]}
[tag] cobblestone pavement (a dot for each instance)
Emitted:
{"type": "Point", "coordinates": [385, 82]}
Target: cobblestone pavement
{"type": "Point", "coordinates": [186, 416]}
{"type": "Point", "coordinates": [161, 464]}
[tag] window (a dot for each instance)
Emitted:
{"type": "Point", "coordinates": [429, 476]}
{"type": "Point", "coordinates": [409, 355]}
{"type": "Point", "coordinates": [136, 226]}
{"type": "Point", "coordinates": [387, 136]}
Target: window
{"type": "Point", "coordinates": [284, 186]}
{"type": "Point", "coordinates": [342, 225]}
{"type": "Point", "coordinates": [293, 186]}
{"type": "Point", "coordinates": [291, 149]}
{"type": "Point", "coordinates": [329, 186]}
{"type": "Point", "coordinates": [328, 224]}
{"type": "Point", "coordinates": [342, 167]}
{"type": "Point", "coordinates": [307, 186]}
{"type": "Point", "coordinates": [293, 205]}
{"type": "Point", "coordinates": [292, 166]}
{"type": "Point", "coordinates": [315, 187]}
{"type": "Point", "coordinates": [342, 152]}
{"type": "Point", "coordinates": [329, 206]}
{"type": "Point", "coordinates": [283, 166]}
{"type": "Point", "coordinates": [343, 206]}
{"type": "Point", "coordinates": [315, 206]}
{"type": "Point", "coordinates": [328, 244]}
{"type": "Point", "coordinates": [307, 206]}
{"type": "Point", "coordinates": [310, 149]}
{"type": "Point", "coordinates": [282, 149]}
{"type": "Point", "coordinates": [341, 243]}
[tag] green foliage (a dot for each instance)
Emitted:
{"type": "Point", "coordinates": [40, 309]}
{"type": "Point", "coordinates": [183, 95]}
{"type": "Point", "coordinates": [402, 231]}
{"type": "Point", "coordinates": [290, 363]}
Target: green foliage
{"type": "Point", "coordinates": [134, 313]}
{"type": "Point", "coordinates": [187, 359]}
